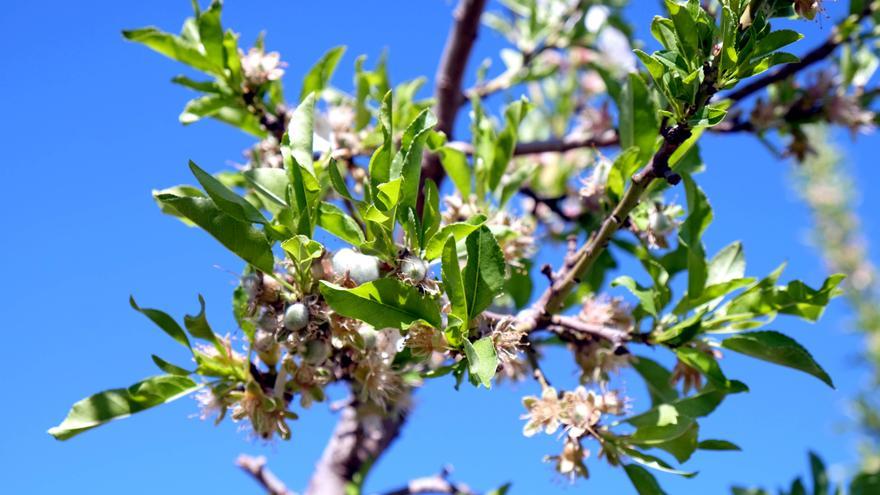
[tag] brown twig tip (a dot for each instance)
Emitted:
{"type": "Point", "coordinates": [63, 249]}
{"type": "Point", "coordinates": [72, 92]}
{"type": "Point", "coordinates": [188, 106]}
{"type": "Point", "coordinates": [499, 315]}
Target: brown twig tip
{"type": "Point", "coordinates": [256, 468]}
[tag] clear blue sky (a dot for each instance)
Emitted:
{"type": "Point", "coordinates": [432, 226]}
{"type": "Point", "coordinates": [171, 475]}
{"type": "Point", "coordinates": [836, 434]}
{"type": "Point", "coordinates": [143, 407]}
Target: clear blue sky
{"type": "Point", "coordinates": [90, 127]}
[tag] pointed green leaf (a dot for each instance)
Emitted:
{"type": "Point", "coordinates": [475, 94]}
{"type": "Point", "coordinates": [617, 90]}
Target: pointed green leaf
{"type": "Point", "coordinates": [384, 303]}
{"type": "Point", "coordinates": [122, 402]}
{"type": "Point", "coordinates": [484, 272]}
{"type": "Point", "coordinates": [319, 75]}
{"type": "Point", "coordinates": [776, 348]}
{"type": "Point", "coordinates": [482, 360]}
{"type": "Point", "coordinates": [164, 321]}
{"type": "Point", "coordinates": [242, 239]}
{"type": "Point", "coordinates": [232, 204]}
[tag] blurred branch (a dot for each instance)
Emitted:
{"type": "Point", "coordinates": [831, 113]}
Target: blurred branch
{"type": "Point", "coordinates": [356, 443]}
{"type": "Point", "coordinates": [256, 468]}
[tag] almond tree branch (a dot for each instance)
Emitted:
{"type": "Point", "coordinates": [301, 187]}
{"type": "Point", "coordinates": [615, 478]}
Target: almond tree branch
{"type": "Point", "coordinates": [608, 138]}
{"type": "Point", "coordinates": [570, 325]}
{"type": "Point", "coordinates": [256, 468]}
{"type": "Point", "coordinates": [450, 72]}
{"type": "Point", "coordinates": [356, 443]}
{"type": "Point", "coordinates": [541, 313]}
{"type": "Point", "coordinates": [815, 55]}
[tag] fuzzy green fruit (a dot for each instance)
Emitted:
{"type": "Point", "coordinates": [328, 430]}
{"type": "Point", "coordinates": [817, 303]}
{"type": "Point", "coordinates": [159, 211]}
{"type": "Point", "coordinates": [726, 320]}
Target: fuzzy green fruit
{"type": "Point", "coordinates": [296, 317]}
{"type": "Point", "coordinates": [360, 267]}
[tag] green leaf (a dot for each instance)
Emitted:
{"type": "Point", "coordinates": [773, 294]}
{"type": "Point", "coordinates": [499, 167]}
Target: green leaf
{"type": "Point", "coordinates": [704, 363]}
{"type": "Point", "coordinates": [506, 141]}
{"type": "Point", "coordinates": [198, 325]}
{"type": "Point", "coordinates": [169, 368]}
{"type": "Point", "coordinates": [242, 239]}
{"type": "Point", "coordinates": [224, 108]}
{"type": "Point", "coordinates": [300, 131]}
{"type": "Point", "coordinates": [453, 283]}
{"type": "Point", "coordinates": [776, 348]}
{"type": "Point", "coordinates": [484, 272]}
{"type": "Point", "coordinates": [319, 75]}
{"type": "Point", "coordinates": [643, 480]}
{"type": "Point", "coordinates": [865, 484]}
{"type": "Point", "coordinates": [430, 212]}
{"type": "Point", "coordinates": [658, 380]}
{"type": "Point", "coordinates": [646, 295]}
{"type": "Point", "coordinates": [270, 182]}
{"type": "Point", "coordinates": [232, 204]}
{"type": "Point", "coordinates": [655, 463]}
{"type": "Point", "coordinates": [302, 249]}
{"type": "Point", "coordinates": [482, 360]}
{"type": "Point", "coordinates": [338, 180]}
{"type": "Point", "coordinates": [658, 434]}
{"type": "Point", "coordinates": [717, 445]}
{"type": "Point", "coordinates": [384, 303]}
{"type": "Point", "coordinates": [408, 163]}
{"type": "Point", "coordinates": [122, 402]}
{"type": "Point", "coordinates": [163, 321]}
{"type": "Point", "coordinates": [457, 230]}
{"type": "Point", "coordinates": [638, 118]}
{"type": "Point", "coordinates": [691, 233]}
{"type": "Point", "coordinates": [173, 47]}
{"type": "Point", "coordinates": [211, 34]}
{"type": "Point", "coordinates": [820, 475]}
{"type": "Point", "coordinates": [683, 446]}
{"type": "Point", "coordinates": [455, 164]}
{"type": "Point", "coordinates": [332, 219]}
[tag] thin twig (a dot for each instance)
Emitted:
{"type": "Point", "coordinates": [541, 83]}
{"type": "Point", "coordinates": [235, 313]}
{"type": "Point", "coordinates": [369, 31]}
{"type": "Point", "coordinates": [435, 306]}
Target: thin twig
{"type": "Point", "coordinates": [256, 468]}
{"type": "Point", "coordinates": [607, 138]}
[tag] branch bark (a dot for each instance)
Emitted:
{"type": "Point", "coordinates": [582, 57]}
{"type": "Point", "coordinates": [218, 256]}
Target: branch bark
{"type": "Point", "coordinates": [450, 72]}
{"type": "Point", "coordinates": [355, 445]}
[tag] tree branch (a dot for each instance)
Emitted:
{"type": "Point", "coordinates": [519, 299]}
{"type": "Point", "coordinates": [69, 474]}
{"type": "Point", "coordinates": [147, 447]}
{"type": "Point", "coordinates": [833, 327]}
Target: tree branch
{"type": "Point", "coordinates": [256, 468]}
{"type": "Point", "coordinates": [448, 80]}
{"type": "Point", "coordinates": [540, 315]}
{"type": "Point", "coordinates": [608, 138]}
{"type": "Point", "coordinates": [356, 443]}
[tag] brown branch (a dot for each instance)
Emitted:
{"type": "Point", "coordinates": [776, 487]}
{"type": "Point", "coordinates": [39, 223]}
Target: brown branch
{"type": "Point", "coordinates": [448, 80]}
{"type": "Point", "coordinates": [608, 138]}
{"type": "Point", "coordinates": [815, 55]}
{"type": "Point", "coordinates": [356, 443]}
{"type": "Point", "coordinates": [256, 468]}
{"type": "Point", "coordinates": [541, 313]}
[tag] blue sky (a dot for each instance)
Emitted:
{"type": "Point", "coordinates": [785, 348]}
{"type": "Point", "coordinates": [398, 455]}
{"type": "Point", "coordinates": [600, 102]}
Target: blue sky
{"type": "Point", "coordinates": [91, 127]}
